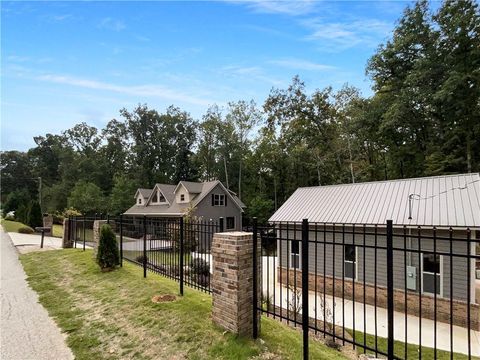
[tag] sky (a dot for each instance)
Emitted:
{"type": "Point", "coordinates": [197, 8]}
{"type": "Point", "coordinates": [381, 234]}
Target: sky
{"type": "Point", "coordinates": [68, 62]}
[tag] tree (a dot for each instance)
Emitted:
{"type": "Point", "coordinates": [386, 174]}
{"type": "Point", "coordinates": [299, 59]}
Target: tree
{"type": "Point", "coordinates": [35, 217]}
{"type": "Point", "coordinates": [16, 199]}
{"type": "Point", "coordinates": [458, 95]}
{"type": "Point", "coordinates": [107, 253]}
{"type": "Point", "coordinates": [87, 198]}
{"type": "Point", "coordinates": [244, 116]}
{"type": "Point", "coordinates": [16, 171]}
{"type": "Point", "coordinates": [122, 194]}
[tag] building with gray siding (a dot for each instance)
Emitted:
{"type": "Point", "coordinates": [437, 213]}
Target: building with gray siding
{"type": "Point", "coordinates": [203, 200]}
{"type": "Point", "coordinates": [435, 236]}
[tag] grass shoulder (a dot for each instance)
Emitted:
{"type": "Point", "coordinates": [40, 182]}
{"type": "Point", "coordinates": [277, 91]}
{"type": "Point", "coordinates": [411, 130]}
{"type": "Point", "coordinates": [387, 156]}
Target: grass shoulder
{"type": "Point", "coordinates": [111, 315]}
{"type": "Point", "coordinates": [12, 226]}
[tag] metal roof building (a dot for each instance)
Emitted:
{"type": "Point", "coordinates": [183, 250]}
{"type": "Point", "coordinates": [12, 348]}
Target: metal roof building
{"type": "Point", "coordinates": [450, 200]}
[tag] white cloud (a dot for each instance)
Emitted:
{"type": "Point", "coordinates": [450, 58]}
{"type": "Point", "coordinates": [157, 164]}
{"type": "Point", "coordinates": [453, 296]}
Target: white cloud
{"type": "Point", "coordinates": [250, 73]}
{"type": "Point", "coordinates": [294, 8]}
{"type": "Point", "coordinates": [300, 64]}
{"type": "Point", "coordinates": [111, 24]}
{"type": "Point", "coordinates": [338, 36]}
{"type": "Point", "coordinates": [147, 90]}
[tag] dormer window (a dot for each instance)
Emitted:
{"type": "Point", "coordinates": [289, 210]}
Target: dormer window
{"type": "Point", "coordinates": [139, 201]}
{"type": "Point", "coordinates": [218, 200]}
{"type": "Point", "coordinates": [182, 197]}
{"type": "Point", "coordinates": [158, 198]}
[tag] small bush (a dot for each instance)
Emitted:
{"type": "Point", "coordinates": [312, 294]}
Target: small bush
{"type": "Point", "coordinates": [35, 217]}
{"type": "Point", "coordinates": [107, 255]}
{"type": "Point", "coordinates": [139, 259]}
{"type": "Point", "coordinates": [200, 267]}
{"type": "Point", "coordinates": [26, 230]}
{"type": "Point", "coordinates": [71, 212]}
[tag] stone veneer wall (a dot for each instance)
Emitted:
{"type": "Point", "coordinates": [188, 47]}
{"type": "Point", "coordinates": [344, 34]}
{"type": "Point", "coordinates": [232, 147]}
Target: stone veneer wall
{"type": "Point", "coordinates": [66, 242]}
{"type": "Point", "coordinates": [232, 282]}
{"type": "Point", "coordinates": [413, 300]}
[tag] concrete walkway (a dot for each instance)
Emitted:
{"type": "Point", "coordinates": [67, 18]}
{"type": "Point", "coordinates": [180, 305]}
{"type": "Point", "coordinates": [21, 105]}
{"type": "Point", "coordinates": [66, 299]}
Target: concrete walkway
{"type": "Point", "coordinates": [366, 320]}
{"type": "Point", "coordinates": [27, 332]}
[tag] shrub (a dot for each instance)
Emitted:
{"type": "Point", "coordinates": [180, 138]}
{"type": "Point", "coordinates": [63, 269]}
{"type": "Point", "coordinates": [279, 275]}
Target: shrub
{"type": "Point", "coordinates": [58, 218]}
{"type": "Point", "coordinates": [35, 217]}
{"type": "Point", "coordinates": [21, 214]}
{"type": "Point", "coordinates": [107, 253]}
{"type": "Point", "coordinates": [139, 259]}
{"type": "Point", "coordinates": [71, 212]}
{"type": "Point", "coordinates": [199, 266]}
{"type": "Point", "coordinates": [26, 230]}
{"type": "Point", "coordinates": [10, 216]}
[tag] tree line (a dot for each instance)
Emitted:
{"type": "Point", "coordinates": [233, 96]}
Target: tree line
{"type": "Point", "coordinates": [423, 119]}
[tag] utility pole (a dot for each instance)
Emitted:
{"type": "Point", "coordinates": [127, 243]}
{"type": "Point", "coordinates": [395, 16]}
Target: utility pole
{"type": "Point", "coordinates": [40, 192]}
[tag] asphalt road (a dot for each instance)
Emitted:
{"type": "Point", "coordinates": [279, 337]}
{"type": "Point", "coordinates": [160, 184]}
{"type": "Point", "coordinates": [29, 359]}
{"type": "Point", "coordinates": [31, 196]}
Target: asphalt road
{"type": "Point", "coordinates": [26, 330]}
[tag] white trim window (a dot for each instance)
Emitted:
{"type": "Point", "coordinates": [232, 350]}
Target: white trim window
{"type": "Point", "coordinates": [182, 197]}
{"type": "Point", "coordinates": [158, 198]}
{"type": "Point", "coordinates": [432, 271]}
{"type": "Point", "coordinates": [218, 200]}
{"type": "Point", "coordinates": [295, 254]}
{"type": "Point", "coordinates": [350, 262]}
{"type": "Point", "coordinates": [139, 202]}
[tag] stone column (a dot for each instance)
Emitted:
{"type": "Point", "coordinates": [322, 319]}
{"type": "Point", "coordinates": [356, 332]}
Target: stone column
{"type": "Point", "coordinates": [232, 282]}
{"type": "Point", "coordinates": [66, 242]}
{"type": "Point", "coordinates": [97, 224]}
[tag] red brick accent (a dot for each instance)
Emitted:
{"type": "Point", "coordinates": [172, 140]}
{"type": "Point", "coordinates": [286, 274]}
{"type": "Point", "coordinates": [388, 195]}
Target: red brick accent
{"type": "Point", "coordinates": [413, 299]}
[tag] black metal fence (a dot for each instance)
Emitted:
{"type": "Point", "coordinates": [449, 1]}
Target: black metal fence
{"type": "Point", "coordinates": [176, 248]}
{"type": "Point", "coordinates": [392, 291]}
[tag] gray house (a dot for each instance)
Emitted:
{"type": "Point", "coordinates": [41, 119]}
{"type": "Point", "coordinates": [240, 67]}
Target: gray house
{"type": "Point", "coordinates": [436, 236]}
{"type": "Point", "coordinates": [207, 200]}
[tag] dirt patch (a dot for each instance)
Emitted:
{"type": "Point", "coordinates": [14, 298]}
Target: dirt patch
{"type": "Point", "coordinates": [25, 249]}
{"type": "Point", "coordinates": [163, 298]}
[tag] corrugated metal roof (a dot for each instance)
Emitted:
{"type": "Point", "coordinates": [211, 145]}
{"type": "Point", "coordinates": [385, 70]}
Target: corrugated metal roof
{"type": "Point", "coordinates": [450, 200]}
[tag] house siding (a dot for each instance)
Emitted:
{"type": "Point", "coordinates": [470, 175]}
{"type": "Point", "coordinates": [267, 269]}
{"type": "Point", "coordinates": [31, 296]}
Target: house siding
{"type": "Point", "coordinates": [368, 257]}
{"type": "Point", "coordinates": [206, 211]}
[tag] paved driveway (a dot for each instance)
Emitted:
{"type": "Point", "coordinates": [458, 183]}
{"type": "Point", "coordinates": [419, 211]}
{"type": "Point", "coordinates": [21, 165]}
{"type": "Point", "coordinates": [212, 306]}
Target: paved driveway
{"type": "Point", "coordinates": [27, 332]}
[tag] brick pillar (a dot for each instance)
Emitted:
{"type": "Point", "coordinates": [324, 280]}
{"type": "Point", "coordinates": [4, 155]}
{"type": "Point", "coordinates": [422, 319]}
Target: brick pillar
{"type": "Point", "coordinates": [232, 282]}
{"type": "Point", "coordinates": [66, 242]}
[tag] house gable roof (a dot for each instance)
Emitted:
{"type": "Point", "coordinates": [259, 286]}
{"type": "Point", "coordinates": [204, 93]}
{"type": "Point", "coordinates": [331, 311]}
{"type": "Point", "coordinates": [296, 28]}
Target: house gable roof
{"type": "Point", "coordinates": [175, 209]}
{"type": "Point", "coordinates": [191, 187]}
{"type": "Point", "coordinates": [450, 200]}
{"type": "Point", "coordinates": [145, 193]}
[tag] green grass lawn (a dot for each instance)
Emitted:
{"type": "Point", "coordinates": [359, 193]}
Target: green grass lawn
{"type": "Point", "coordinates": [11, 226]}
{"type": "Point", "coordinates": [111, 315]}
{"type": "Point", "coordinates": [57, 230]}
{"type": "Point", "coordinates": [412, 350]}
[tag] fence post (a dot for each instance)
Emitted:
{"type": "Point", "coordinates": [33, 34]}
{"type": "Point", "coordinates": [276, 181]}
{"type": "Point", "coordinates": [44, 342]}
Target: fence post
{"type": "Point", "coordinates": [255, 280]}
{"type": "Point", "coordinates": [221, 224]}
{"type": "Point", "coordinates": [390, 305]}
{"type": "Point", "coordinates": [181, 255]}
{"type": "Point", "coordinates": [84, 230]}
{"type": "Point", "coordinates": [74, 231]}
{"type": "Point", "coordinates": [144, 246]}
{"type": "Point", "coordinates": [305, 287]}
{"type": "Point", "coordinates": [121, 240]}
